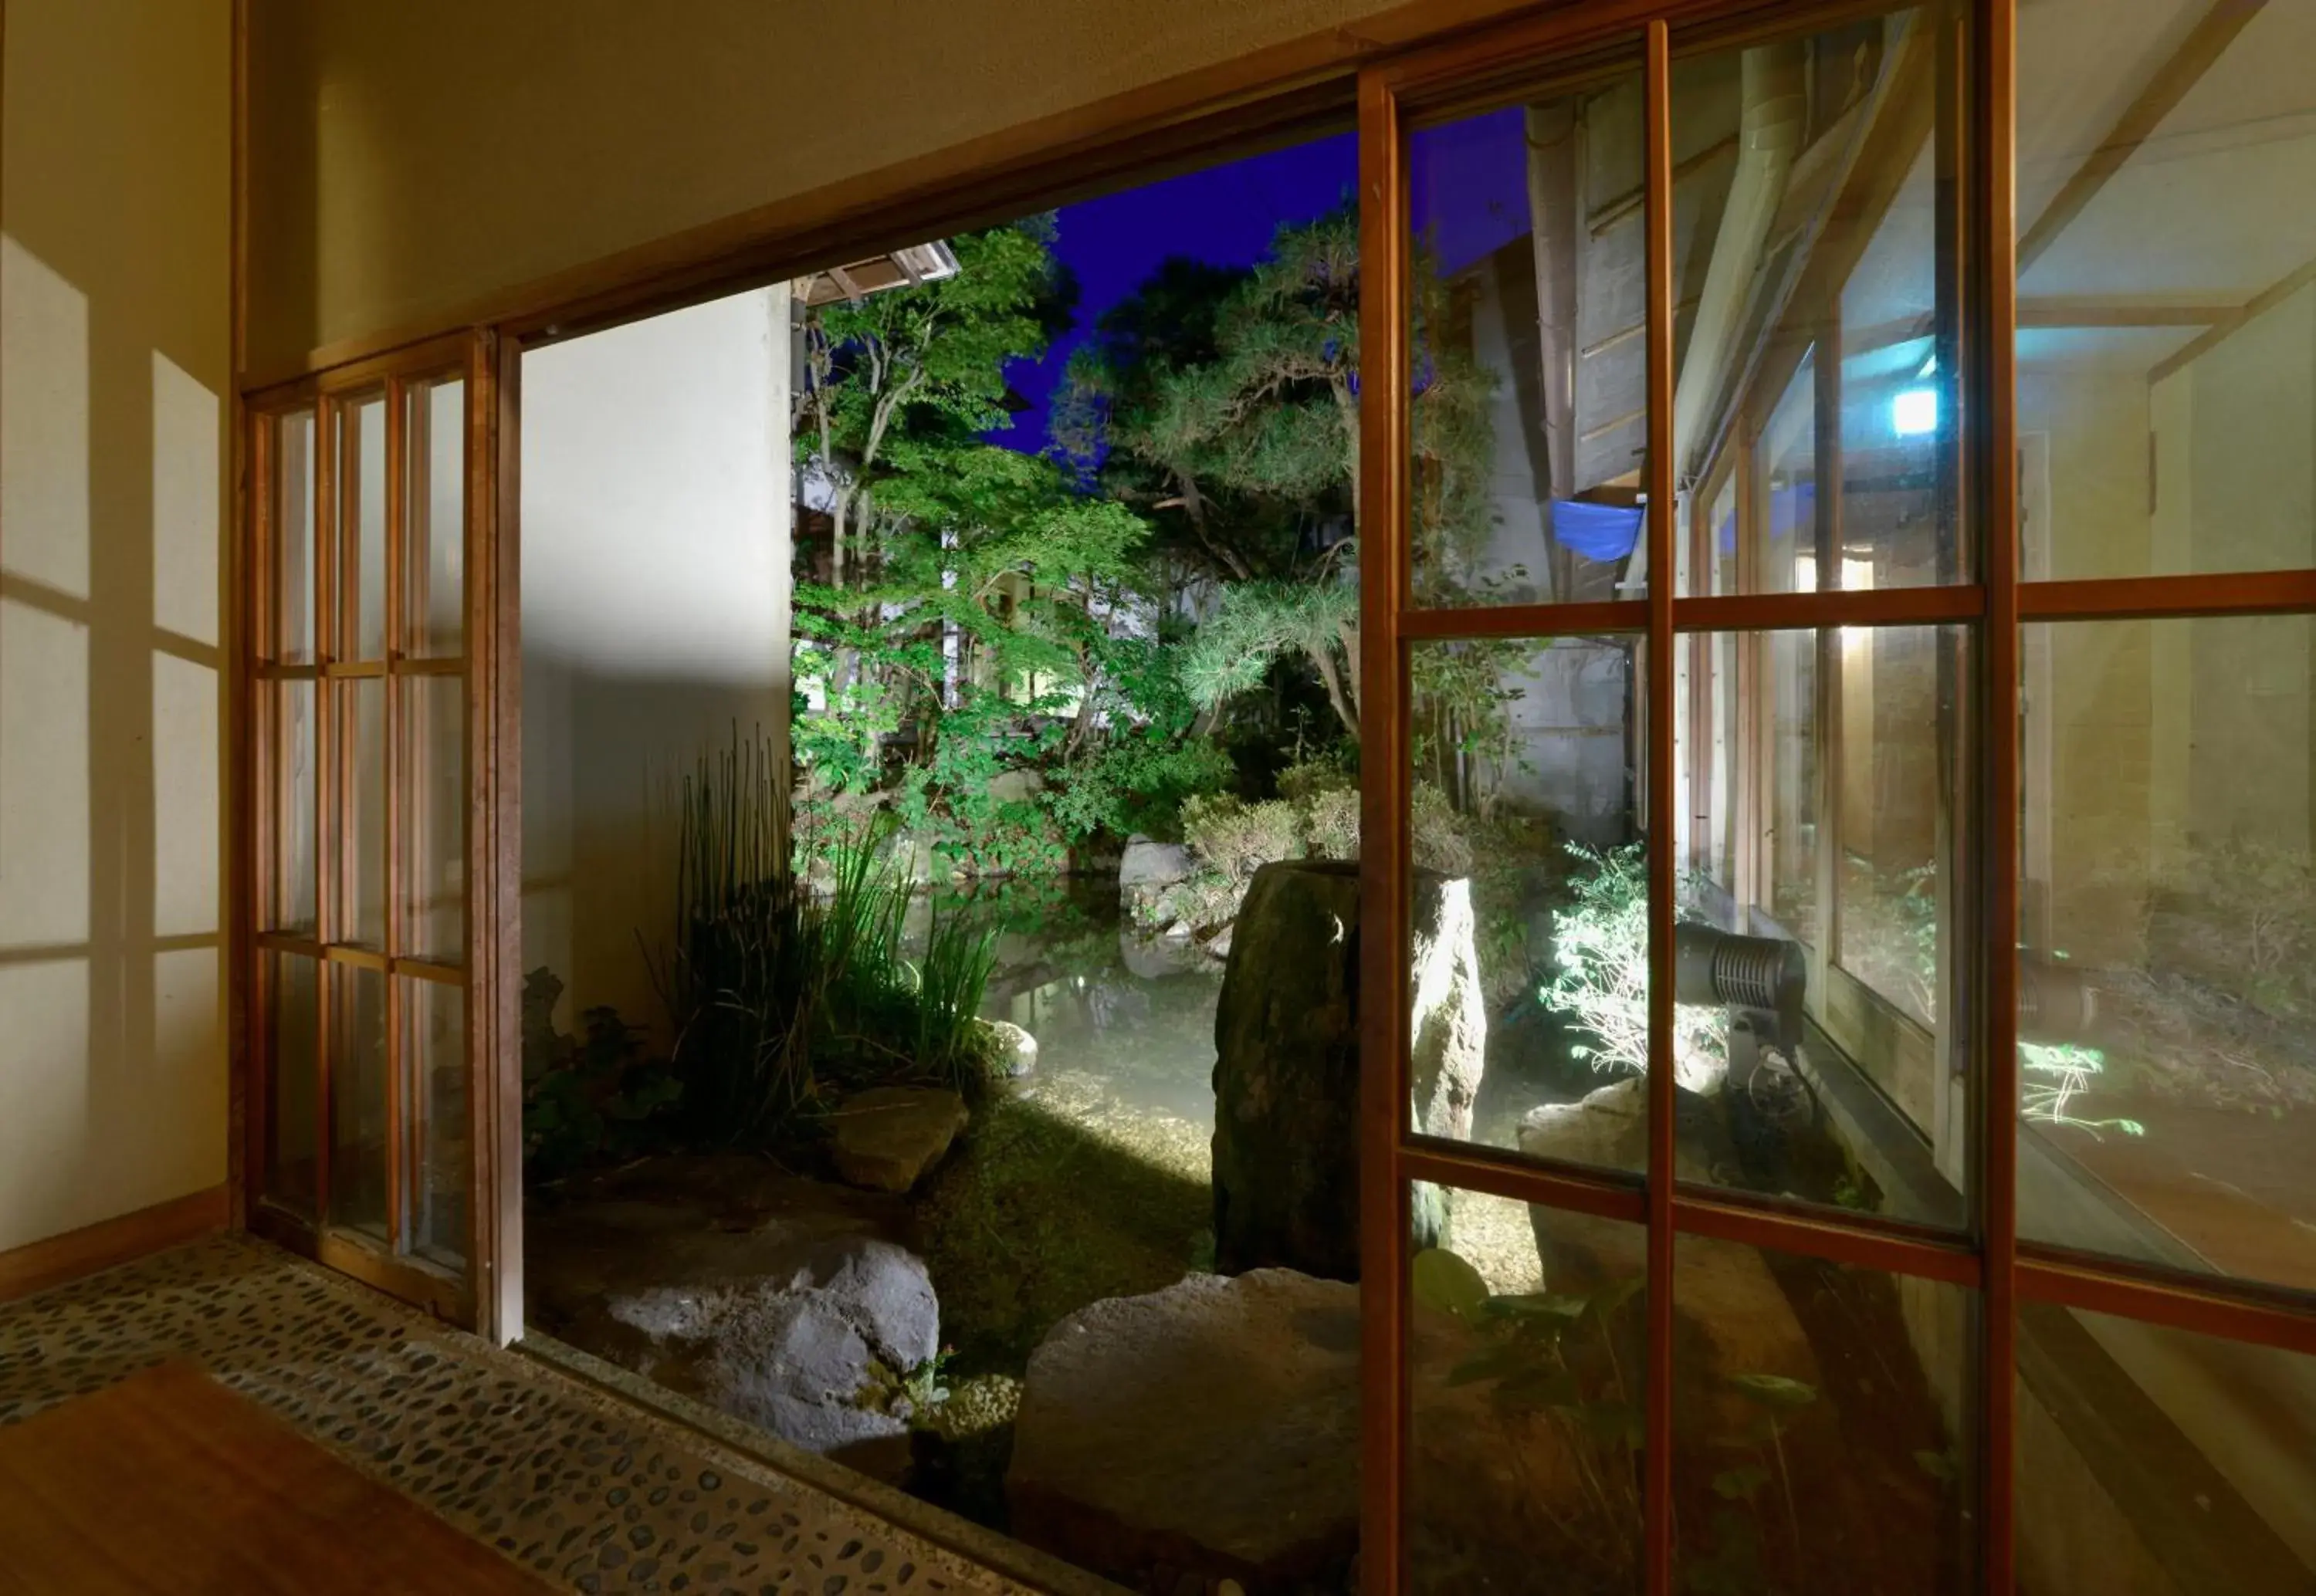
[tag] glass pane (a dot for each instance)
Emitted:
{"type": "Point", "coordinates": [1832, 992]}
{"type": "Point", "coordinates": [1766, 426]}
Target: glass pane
{"type": "Point", "coordinates": [2154, 1459]}
{"type": "Point", "coordinates": [360, 734]}
{"type": "Point", "coordinates": [1529, 420]}
{"type": "Point", "coordinates": [1527, 1408]}
{"type": "Point", "coordinates": [433, 814]}
{"type": "Point", "coordinates": [2165, 397]}
{"type": "Point", "coordinates": [293, 536]}
{"type": "Point", "coordinates": [1529, 957]}
{"type": "Point", "coordinates": [291, 906]}
{"type": "Point", "coordinates": [434, 1050]}
{"type": "Point", "coordinates": [362, 528]}
{"type": "Point", "coordinates": [1811, 961]}
{"type": "Point", "coordinates": [1893, 817]}
{"type": "Point", "coordinates": [1823, 1438]}
{"type": "Point", "coordinates": [434, 547]}
{"type": "Point", "coordinates": [357, 1100]}
{"type": "Point", "coordinates": [2167, 979]}
{"type": "Point", "coordinates": [1817, 318]}
{"type": "Point", "coordinates": [293, 1032]}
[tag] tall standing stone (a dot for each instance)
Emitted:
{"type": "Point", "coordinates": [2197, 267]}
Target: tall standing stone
{"type": "Point", "coordinates": [1287, 1066]}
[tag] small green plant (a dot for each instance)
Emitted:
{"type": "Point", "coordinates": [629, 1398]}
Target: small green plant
{"type": "Point", "coordinates": [1601, 976]}
{"type": "Point", "coordinates": [1736, 1563]}
{"type": "Point", "coordinates": [1564, 1369]}
{"type": "Point", "coordinates": [777, 994]}
{"type": "Point", "coordinates": [951, 979]}
{"type": "Point", "coordinates": [2056, 1073]}
{"type": "Point", "coordinates": [600, 1097]}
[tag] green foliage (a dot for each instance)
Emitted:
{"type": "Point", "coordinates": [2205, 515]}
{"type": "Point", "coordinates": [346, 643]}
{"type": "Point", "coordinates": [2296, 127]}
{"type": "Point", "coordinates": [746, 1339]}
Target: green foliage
{"type": "Point", "coordinates": [600, 1097]}
{"type": "Point", "coordinates": [1563, 1373]}
{"type": "Point", "coordinates": [1227, 404]}
{"type": "Point", "coordinates": [777, 995]}
{"type": "Point", "coordinates": [1600, 955]}
{"type": "Point", "coordinates": [1258, 622]}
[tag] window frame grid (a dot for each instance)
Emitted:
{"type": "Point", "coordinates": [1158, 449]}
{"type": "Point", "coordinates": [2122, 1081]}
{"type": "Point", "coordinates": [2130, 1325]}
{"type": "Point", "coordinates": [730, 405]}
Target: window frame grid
{"type": "Point", "coordinates": [330, 399]}
{"type": "Point", "coordinates": [1988, 1256]}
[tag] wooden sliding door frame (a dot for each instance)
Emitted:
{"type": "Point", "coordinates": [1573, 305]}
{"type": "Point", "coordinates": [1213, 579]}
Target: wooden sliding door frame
{"type": "Point", "coordinates": [465, 1295]}
{"type": "Point", "coordinates": [1562, 49]}
{"type": "Point", "coordinates": [1292, 95]}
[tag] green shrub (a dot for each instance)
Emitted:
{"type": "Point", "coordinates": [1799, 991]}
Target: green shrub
{"type": "Point", "coordinates": [1601, 957]}
{"type": "Point", "coordinates": [777, 995]}
{"type": "Point", "coordinates": [599, 1098]}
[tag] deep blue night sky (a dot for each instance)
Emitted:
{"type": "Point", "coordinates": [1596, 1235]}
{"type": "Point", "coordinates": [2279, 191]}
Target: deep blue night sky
{"type": "Point", "coordinates": [1469, 194]}
{"type": "Point", "coordinates": [1225, 215]}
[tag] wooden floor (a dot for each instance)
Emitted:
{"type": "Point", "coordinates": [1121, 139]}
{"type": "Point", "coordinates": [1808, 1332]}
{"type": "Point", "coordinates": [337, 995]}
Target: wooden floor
{"type": "Point", "coordinates": [169, 1484]}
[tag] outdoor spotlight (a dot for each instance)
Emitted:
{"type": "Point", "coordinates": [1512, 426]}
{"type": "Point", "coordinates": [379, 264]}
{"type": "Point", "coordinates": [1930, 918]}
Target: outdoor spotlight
{"type": "Point", "coordinates": [1761, 980]}
{"type": "Point", "coordinates": [1914, 412]}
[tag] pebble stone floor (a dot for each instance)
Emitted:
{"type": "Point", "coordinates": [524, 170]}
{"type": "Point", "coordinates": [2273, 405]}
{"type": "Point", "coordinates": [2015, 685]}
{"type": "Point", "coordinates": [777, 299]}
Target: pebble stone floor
{"type": "Point", "coordinates": [593, 1495]}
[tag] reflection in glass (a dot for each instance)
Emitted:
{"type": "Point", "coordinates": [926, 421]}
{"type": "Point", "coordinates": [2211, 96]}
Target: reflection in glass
{"type": "Point", "coordinates": [1530, 926]}
{"type": "Point", "coordinates": [434, 555]}
{"type": "Point", "coordinates": [362, 529]}
{"type": "Point", "coordinates": [360, 734]}
{"type": "Point", "coordinates": [431, 772]}
{"type": "Point", "coordinates": [2167, 1019]}
{"type": "Point", "coordinates": [434, 1050]}
{"type": "Point", "coordinates": [291, 905]}
{"type": "Point", "coordinates": [293, 1034]}
{"type": "Point", "coordinates": [1836, 810]}
{"type": "Point", "coordinates": [359, 1085]}
{"type": "Point", "coordinates": [1890, 811]}
{"type": "Point", "coordinates": [1528, 420]}
{"type": "Point", "coordinates": [2155, 1459]}
{"type": "Point", "coordinates": [1816, 321]}
{"type": "Point", "coordinates": [1527, 1403]}
{"type": "Point", "coordinates": [293, 538]}
{"type": "Point", "coordinates": [2167, 403]}
{"type": "Point", "coordinates": [1821, 1431]}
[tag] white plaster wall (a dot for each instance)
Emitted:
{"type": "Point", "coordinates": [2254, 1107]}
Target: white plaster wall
{"type": "Point", "coordinates": [115, 361]}
{"type": "Point", "coordinates": [655, 527]}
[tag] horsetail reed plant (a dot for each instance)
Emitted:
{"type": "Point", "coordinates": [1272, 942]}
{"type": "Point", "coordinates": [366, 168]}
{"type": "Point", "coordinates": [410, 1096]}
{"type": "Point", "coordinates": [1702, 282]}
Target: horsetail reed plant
{"type": "Point", "coordinates": [777, 995]}
{"type": "Point", "coordinates": [959, 959]}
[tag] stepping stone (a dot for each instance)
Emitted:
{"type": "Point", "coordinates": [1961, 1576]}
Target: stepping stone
{"type": "Point", "coordinates": [886, 1139]}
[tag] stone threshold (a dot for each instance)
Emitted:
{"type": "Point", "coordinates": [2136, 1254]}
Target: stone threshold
{"type": "Point", "coordinates": [1000, 1554]}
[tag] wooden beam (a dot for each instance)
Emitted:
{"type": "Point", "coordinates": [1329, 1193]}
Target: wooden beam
{"type": "Point", "coordinates": [2258, 304]}
{"type": "Point", "coordinates": [2179, 72]}
{"type": "Point", "coordinates": [1903, 120]}
{"type": "Point", "coordinates": [2067, 311]}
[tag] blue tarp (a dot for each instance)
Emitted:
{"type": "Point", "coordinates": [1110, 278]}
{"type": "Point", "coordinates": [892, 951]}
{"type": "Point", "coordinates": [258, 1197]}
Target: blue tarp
{"type": "Point", "coordinates": [1596, 531]}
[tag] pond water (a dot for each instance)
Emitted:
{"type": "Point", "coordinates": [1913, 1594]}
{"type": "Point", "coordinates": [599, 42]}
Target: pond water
{"type": "Point", "coordinates": [1126, 1048]}
{"type": "Point", "coordinates": [1125, 1024]}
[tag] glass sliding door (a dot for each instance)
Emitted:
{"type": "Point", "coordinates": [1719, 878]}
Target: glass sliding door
{"type": "Point", "coordinates": [363, 783]}
{"type": "Point", "coordinates": [1890, 1168]}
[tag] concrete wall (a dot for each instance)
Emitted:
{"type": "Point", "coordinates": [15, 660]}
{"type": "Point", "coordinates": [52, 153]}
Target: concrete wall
{"type": "Point", "coordinates": [114, 363]}
{"type": "Point", "coordinates": [408, 158]}
{"type": "Point", "coordinates": [655, 540]}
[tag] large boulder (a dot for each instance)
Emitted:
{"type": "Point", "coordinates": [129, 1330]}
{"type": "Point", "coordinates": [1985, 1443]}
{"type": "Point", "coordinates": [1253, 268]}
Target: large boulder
{"type": "Point", "coordinates": [1146, 874]}
{"type": "Point", "coordinates": [784, 1301]}
{"type": "Point", "coordinates": [1287, 1066]}
{"type": "Point", "coordinates": [886, 1139]}
{"type": "Point", "coordinates": [1211, 1429]}
{"type": "Point", "coordinates": [1449, 1043]}
{"type": "Point", "coordinates": [806, 1352]}
{"type": "Point", "coordinates": [1147, 863]}
{"type": "Point", "coordinates": [1210, 1432]}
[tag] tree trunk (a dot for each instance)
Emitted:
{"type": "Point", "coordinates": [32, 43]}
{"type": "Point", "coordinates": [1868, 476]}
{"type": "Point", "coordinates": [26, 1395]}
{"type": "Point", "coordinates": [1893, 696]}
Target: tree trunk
{"type": "Point", "coordinates": [1324, 659]}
